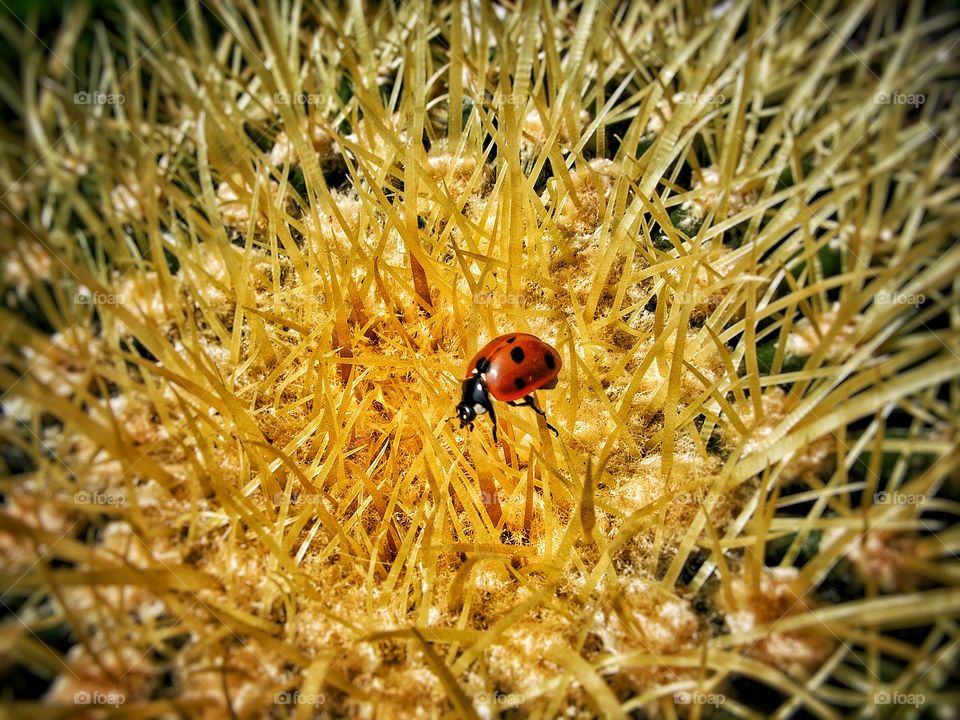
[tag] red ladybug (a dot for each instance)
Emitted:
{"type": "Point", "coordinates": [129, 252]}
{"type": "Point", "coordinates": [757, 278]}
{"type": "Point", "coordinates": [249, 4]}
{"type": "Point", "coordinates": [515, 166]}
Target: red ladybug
{"type": "Point", "coordinates": [508, 367]}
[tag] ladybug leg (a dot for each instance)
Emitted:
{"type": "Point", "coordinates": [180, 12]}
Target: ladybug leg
{"type": "Point", "coordinates": [493, 421]}
{"type": "Point", "coordinates": [529, 402]}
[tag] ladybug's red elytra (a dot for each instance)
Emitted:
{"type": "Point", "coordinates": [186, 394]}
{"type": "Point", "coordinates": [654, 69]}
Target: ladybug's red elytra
{"type": "Point", "coordinates": [508, 367]}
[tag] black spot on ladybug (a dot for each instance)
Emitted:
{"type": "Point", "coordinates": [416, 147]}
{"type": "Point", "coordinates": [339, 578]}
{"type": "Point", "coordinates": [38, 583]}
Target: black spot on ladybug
{"type": "Point", "coordinates": [517, 355]}
{"type": "Point", "coordinates": [513, 339]}
{"type": "Point", "coordinates": [548, 359]}
{"type": "Point", "coordinates": [483, 365]}
{"type": "Point", "coordinates": [520, 383]}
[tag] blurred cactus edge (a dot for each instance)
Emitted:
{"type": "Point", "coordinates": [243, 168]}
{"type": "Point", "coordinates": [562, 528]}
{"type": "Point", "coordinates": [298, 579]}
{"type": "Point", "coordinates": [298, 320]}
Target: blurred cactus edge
{"type": "Point", "coordinates": [247, 249]}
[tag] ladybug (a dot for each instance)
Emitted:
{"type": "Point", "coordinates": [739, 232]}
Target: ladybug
{"type": "Point", "coordinates": [509, 367]}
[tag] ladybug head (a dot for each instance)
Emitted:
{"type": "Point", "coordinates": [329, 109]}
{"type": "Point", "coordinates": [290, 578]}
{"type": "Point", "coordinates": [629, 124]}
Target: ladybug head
{"type": "Point", "coordinates": [473, 398]}
{"type": "Point", "coordinates": [466, 414]}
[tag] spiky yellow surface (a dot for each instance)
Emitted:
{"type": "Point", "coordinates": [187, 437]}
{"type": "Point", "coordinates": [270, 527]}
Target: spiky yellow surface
{"type": "Point", "coordinates": [240, 299]}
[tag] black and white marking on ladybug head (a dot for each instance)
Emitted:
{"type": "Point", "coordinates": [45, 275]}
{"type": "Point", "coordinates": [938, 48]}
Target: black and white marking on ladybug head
{"type": "Point", "coordinates": [474, 400]}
